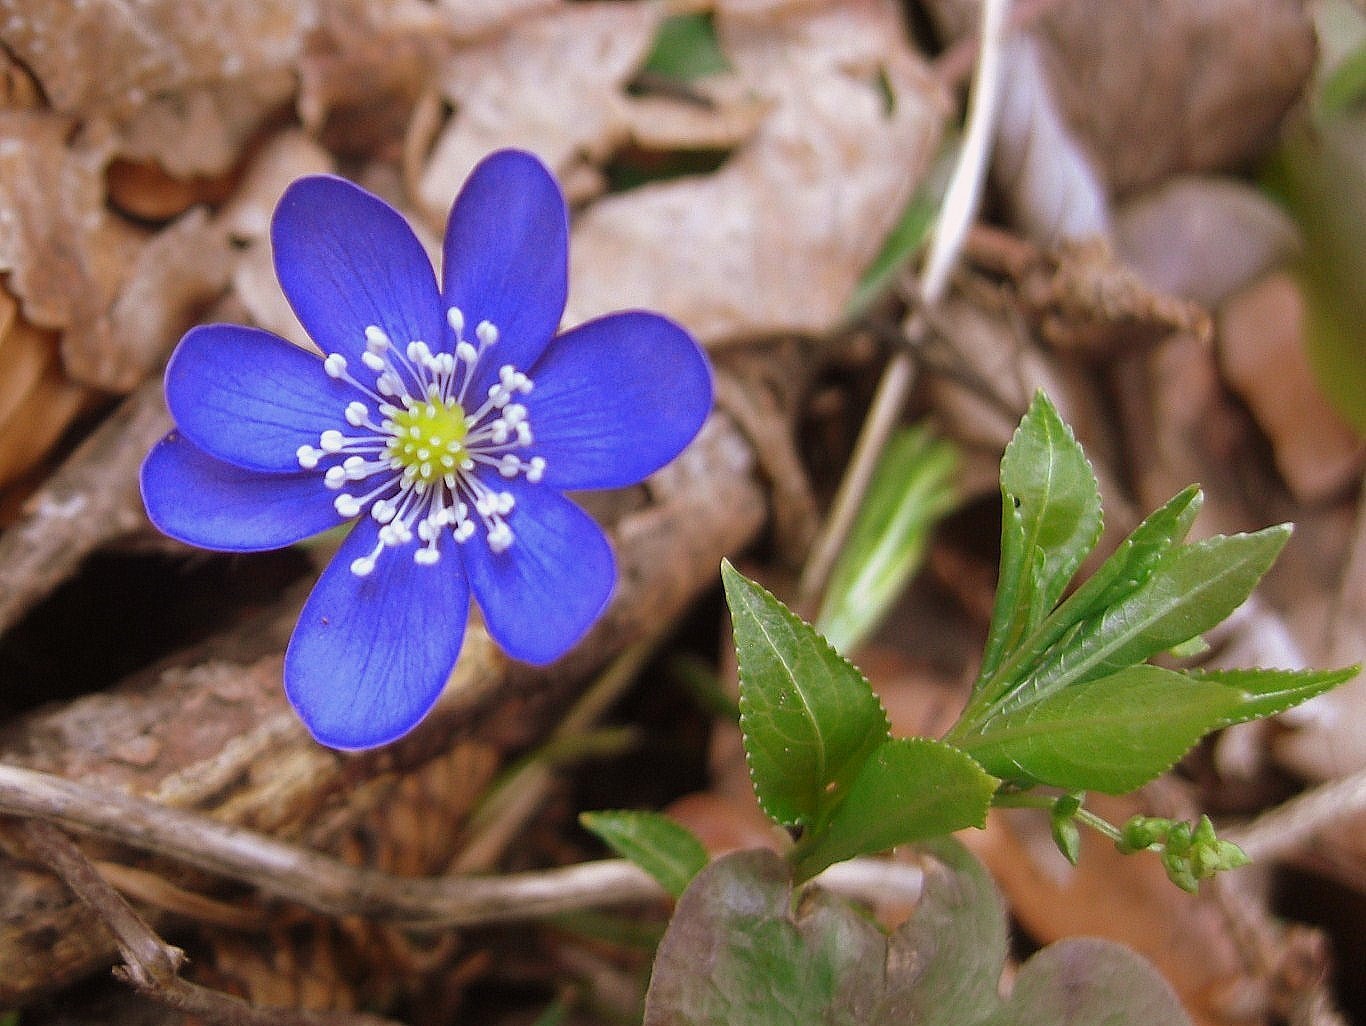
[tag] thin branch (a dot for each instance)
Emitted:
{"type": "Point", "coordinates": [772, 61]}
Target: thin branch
{"type": "Point", "coordinates": [1293, 824]}
{"type": "Point", "coordinates": [960, 204]}
{"type": "Point", "coordinates": [151, 965]}
{"type": "Point", "coordinates": [316, 881]}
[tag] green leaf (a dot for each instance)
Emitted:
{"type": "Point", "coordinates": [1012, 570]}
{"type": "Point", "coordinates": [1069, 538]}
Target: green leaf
{"type": "Point", "coordinates": [1193, 589]}
{"type": "Point", "coordinates": [1268, 692]}
{"type": "Point", "coordinates": [686, 48]}
{"type": "Point", "coordinates": [908, 235]}
{"type": "Point", "coordinates": [1129, 566]}
{"type": "Point", "coordinates": [1046, 477]}
{"type": "Point", "coordinates": [911, 490]}
{"type": "Point", "coordinates": [1113, 734]}
{"type": "Point", "coordinates": [666, 850]}
{"type": "Point", "coordinates": [809, 718]}
{"type": "Point", "coordinates": [1086, 981]}
{"type": "Point", "coordinates": [910, 789]}
{"type": "Point", "coordinates": [1319, 173]}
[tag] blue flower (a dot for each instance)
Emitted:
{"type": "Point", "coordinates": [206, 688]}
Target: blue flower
{"type": "Point", "coordinates": [444, 422]}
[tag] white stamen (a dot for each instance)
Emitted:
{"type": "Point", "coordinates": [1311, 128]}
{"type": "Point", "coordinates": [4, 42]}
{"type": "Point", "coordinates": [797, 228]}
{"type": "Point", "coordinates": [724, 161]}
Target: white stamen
{"type": "Point", "coordinates": [421, 466]}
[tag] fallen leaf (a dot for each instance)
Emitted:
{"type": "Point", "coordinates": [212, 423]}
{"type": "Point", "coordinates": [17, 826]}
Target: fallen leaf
{"type": "Point", "coordinates": [776, 239]}
{"type": "Point", "coordinates": [1262, 356]}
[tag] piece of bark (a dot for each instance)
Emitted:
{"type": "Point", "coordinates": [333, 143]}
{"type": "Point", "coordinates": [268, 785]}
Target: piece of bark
{"type": "Point", "coordinates": [211, 730]}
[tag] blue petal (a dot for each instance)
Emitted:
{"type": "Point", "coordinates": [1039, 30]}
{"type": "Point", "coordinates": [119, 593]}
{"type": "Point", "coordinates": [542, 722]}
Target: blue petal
{"type": "Point", "coordinates": [615, 399]}
{"type": "Point", "coordinates": [347, 260]}
{"type": "Point", "coordinates": [506, 258]}
{"type": "Point", "coordinates": [542, 594]}
{"type": "Point", "coordinates": [203, 501]}
{"type": "Point", "coordinates": [251, 398]}
{"type": "Point", "coordinates": [370, 655]}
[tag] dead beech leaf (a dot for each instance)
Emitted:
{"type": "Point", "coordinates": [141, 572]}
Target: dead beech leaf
{"type": "Point", "coordinates": [65, 255]}
{"type": "Point", "coordinates": [110, 56]}
{"type": "Point", "coordinates": [1263, 358]}
{"type": "Point", "coordinates": [202, 130]}
{"type": "Point", "coordinates": [288, 156]}
{"type": "Point", "coordinates": [1052, 186]}
{"type": "Point", "coordinates": [37, 401]}
{"type": "Point", "coordinates": [365, 66]}
{"type": "Point", "coordinates": [775, 239]}
{"type": "Point", "coordinates": [180, 269]}
{"type": "Point", "coordinates": [552, 83]}
{"type": "Point", "coordinates": [1203, 238]}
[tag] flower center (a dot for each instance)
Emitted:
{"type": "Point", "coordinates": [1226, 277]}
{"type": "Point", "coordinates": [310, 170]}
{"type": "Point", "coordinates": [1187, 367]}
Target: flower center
{"type": "Point", "coordinates": [426, 457]}
{"type": "Point", "coordinates": [428, 439]}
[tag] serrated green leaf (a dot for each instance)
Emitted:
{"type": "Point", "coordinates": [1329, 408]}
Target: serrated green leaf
{"type": "Point", "coordinates": [1112, 734]}
{"type": "Point", "coordinates": [809, 718]}
{"type": "Point", "coordinates": [910, 789]}
{"type": "Point", "coordinates": [911, 489]}
{"type": "Point", "coordinates": [1046, 476]}
{"type": "Point", "coordinates": [666, 850]}
{"type": "Point", "coordinates": [1128, 567]}
{"type": "Point", "coordinates": [1268, 692]}
{"type": "Point", "coordinates": [1192, 590]}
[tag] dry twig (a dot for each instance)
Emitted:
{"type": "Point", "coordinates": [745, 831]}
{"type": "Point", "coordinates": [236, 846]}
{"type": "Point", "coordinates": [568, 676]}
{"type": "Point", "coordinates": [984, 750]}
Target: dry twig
{"type": "Point", "coordinates": [150, 964]}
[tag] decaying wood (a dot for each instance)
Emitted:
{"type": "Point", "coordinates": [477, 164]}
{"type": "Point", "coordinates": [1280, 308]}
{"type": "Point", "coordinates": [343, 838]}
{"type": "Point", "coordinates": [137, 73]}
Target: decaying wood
{"type": "Point", "coordinates": [210, 730]}
{"type": "Point", "coordinates": [91, 500]}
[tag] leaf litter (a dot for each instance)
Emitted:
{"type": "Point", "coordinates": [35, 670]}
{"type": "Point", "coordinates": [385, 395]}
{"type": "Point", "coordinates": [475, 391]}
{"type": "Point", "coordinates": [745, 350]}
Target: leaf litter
{"type": "Point", "coordinates": [142, 148]}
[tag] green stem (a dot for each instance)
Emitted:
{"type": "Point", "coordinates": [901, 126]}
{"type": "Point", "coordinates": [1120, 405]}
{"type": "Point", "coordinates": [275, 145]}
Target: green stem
{"type": "Point", "coordinates": [1033, 800]}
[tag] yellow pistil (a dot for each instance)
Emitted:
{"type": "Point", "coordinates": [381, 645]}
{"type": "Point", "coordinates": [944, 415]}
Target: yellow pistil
{"type": "Point", "coordinates": [428, 439]}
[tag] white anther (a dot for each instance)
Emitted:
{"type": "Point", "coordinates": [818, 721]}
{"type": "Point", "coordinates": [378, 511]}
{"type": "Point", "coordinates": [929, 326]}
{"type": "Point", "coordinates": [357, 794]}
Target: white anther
{"type": "Point", "coordinates": [456, 320]}
{"type": "Point", "coordinates": [335, 477]}
{"type": "Point", "coordinates": [509, 465]}
{"type": "Point", "coordinates": [464, 531]}
{"type": "Point", "coordinates": [467, 353]}
{"type": "Point", "coordinates": [426, 557]}
{"type": "Point", "coordinates": [505, 503]}
{"type": "Point", "coordinates": [514, 414]}
{"type": "Point", "coordinates": [332, 441]}
{"type": "Point", "coordinates": [362, 567]}
{"type": "Point", "coordinates": [486, 333]}
{"type": "Point", "coordinates": [419, 352]}
{"type": "Point", "coordinates": [499, 537]}
{"type": "Point", "coordinates": [347, 505]}
{"type": "Point", "coordinates": [335, 365]}
{"type": "Point", "coordinates": [356, 414]}
{"type": "Point", "coordinates": [523, 434]}
{"type": "Point", "coordinates": [307, 456]}
{"type": "Point", "coordinates": [374, 361]}
{"type": "Point", "coordinates": [383, 511]}
{"type": "Point", "coordinates": [376, 338]}
{"type": "Point", "coordinates": [535, 469]}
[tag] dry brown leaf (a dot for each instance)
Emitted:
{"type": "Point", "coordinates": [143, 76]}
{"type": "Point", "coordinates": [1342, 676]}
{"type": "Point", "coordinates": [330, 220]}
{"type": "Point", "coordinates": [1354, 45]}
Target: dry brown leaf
{"type": "Point", "coordinates": [173, 277]}
{"type": "Point", "coordinates": [202, 130]}
{"type": "Point", "coordinates": [775, 240]}
{"type": "Point", "coordinates": [1262, 356]}
{"type": "Point", "coordinates": [1156, 87]}
{"type": "Point", "coordinates": [34, 418]}
{"type": "Point", "coordinates": [364, 68]}
{"type": "Point", "coordinates": [551, 83]}
{"type": "Point", "coordinates": [65, 255]}
{"type": "Point", "coordinates": [1203, 238]}
{"type": "Point", "coordinates": [109, 56]}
